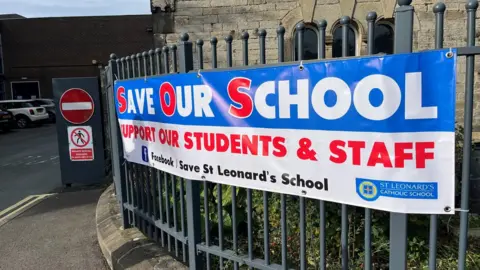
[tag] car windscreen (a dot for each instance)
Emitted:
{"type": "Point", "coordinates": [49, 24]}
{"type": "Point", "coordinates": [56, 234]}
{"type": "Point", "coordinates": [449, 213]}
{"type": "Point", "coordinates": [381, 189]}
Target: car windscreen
{"type": "Point", "coordinates": [45, 102]}
{"type": "Point", "coordinates": [29, 104]}
{"type": "Point", "coordinates": [36, 103]}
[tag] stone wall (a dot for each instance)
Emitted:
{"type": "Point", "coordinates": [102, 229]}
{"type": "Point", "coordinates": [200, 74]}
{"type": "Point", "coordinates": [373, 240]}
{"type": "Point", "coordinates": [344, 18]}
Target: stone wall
{"type": "Point", "coordinates": [454, 36]}
{"type": "Point", "coordinates": [206, 18]}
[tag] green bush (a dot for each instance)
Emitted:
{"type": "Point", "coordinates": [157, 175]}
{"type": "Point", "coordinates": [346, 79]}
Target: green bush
{"type": "Point", "coordinates": [418, 230]}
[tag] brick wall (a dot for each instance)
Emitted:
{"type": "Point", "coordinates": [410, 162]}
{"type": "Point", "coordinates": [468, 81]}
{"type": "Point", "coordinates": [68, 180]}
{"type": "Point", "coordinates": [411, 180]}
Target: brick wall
{"type": "Point", "coordinates": [44, 48]}
{"type": "Point", "coordinates": [206, 18]}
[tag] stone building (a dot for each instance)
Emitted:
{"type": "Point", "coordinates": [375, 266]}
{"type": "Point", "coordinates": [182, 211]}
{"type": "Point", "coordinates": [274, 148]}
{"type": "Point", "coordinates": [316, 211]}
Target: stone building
{"type": "Point", "coordinates": [206, 18]}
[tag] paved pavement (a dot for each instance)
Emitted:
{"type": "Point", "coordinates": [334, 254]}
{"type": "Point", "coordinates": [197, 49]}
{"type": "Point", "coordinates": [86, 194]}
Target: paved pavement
{"type": "Point", "coordinates": [41, 225]}
{"type": "Point", "coordinates": [58, 233]}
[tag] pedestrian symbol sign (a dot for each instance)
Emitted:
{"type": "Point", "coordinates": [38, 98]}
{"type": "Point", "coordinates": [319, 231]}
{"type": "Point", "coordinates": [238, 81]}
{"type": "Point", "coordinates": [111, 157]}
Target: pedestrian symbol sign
{"type": "Point", "coordinates": [80, 137]}
{"type": "Point", "coordinates": [80, 143]}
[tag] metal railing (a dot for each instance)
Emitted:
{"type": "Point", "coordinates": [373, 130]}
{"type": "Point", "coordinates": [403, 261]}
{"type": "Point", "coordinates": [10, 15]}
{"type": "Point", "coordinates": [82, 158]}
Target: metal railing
{"type": "Point", "coordinates": [211, 225]}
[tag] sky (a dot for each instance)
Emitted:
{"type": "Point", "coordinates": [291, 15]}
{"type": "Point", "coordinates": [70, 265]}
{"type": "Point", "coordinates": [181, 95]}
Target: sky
{"type": "Point", "coordinates": [60, 8]}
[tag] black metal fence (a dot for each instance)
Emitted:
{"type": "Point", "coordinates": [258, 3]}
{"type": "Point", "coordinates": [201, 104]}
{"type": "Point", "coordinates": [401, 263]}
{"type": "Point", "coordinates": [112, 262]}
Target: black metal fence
{"type": "Point", "coordinates": [212, 226]}
{"type": "Point", "coordinates": [105, 121]}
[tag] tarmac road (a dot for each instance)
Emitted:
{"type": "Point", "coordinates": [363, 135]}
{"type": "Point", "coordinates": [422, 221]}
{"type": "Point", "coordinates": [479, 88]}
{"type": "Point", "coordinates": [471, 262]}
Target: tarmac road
{"type": "Point", "coordinates": [43, 226]}
{"type": "Point", "coordinates": [29, 163]}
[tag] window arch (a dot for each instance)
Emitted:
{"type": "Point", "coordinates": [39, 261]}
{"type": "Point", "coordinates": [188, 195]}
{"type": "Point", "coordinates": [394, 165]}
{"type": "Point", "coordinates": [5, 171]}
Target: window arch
{"type": "Point", "coordinates": [384, 35]}
{"type": "Point", "coordinates": [337, 41]}
{"type": "Point", "coordinates": [310, 43]}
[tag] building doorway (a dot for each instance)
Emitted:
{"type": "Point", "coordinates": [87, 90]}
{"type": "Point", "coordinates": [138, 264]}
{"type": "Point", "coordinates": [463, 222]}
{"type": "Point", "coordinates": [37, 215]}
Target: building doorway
{"type": "Point", "coordinates": [25, 90]}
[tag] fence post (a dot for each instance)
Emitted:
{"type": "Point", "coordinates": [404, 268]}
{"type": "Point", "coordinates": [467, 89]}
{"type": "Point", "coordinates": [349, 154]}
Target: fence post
{"type": "Point", "coordinates": [185, 55]}
{"type": "Point", "coordinates": [371, 18]}
{"type": "Point", "coordinates": [471, 6]}
{"type": "Point", "coordinates": [119, 177]}
{"type": "Point", "coordinates": [398, 222]}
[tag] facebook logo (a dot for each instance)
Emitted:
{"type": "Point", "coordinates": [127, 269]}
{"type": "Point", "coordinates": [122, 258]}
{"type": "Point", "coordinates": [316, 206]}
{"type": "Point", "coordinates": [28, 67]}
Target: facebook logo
{"type": "Point", "coordinates": [145, 153]}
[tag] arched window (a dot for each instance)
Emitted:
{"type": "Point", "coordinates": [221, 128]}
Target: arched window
{"type": "Point", "coordinates": [310, 43]}
{"type": "Point", "coordinates": [383, 37]}
{"type": "Point", "coordinates": [337, 42]}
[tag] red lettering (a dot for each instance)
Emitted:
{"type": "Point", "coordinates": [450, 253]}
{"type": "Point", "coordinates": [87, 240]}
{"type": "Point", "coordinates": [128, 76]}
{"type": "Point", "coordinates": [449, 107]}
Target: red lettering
{"type": "Point", "coordinates": [169, 137]}
{"type": "Point", "coordinates": [250, 145]}
{"type": "Point", "coordinates": [222, 143]}
{"type": "Point", "coordinates": [265, 144]}
{"type": "Point", "coordinates": [147, 134]}
{"type": "Point", "coordinates": [162, 136]}
{"type": "Point", "coordinates": [279, 146]}
{"type": "Point", "coordinates": [244, 144]}
{"type": "Point", "coordinates": [422, 155]}
{"type": "Point", "coordinates": [187, 137]}
{"type": "Point", "coordinates": [338, 154]}
{"type": "Point", "coordinates": [239, 97]}
{"type": "Point", "coordinates": [124, 130]}
{"type": "Point", "coordinates": [209, 142]}
{"type": "Point", "coordinates": [130, 131]}
{"type": "Point", "coordinates": [235, 142]}
{"type": "Point", "coordinates": [122, 101]}
{"type": "Point", "coordinates": [152, 134]}
{"type": "Point", "coordinates": [136, 131]}
{"type": "Point", "coordinates": [141, 132]}
{"type": "Point", "coordinates": [356, 153]}
{"type": "Point", "coordinates": [400, 155]}
{"type": "Point", "coordinates": [175, 139]}
{"type": "Point", "coordinates": [380, 155]}
{"type": "Point", "coordinates": [167, 89]}
{"type": "Point", "coordinates": [198, 139]}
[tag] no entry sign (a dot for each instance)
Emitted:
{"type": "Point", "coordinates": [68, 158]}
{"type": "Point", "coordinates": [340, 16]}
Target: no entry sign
{"type": "Point", "coordinates": [76, 106]}
{"type": "Point", "coordinates": [80, 143]}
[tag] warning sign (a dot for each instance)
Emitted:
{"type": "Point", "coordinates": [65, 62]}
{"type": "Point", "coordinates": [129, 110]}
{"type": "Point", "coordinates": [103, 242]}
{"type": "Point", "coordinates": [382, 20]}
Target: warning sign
{"type": "Point", "coordinates": [76, 106]}
{"type": "Point", "coordinates": [80, 143]}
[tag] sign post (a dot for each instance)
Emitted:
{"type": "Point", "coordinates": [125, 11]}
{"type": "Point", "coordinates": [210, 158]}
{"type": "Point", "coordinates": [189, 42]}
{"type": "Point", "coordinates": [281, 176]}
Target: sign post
{"type": "Point", "coordinates": [79, 130]}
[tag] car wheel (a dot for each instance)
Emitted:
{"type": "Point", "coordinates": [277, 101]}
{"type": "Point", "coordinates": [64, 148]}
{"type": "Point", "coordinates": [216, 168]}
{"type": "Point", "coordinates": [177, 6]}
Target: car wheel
{"type": "Point", "coordinates": [22, 122]}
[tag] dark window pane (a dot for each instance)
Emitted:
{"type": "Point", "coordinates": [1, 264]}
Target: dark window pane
{"type": "Point", "coordinates": [36, 103]}
{"type": "Point", "coordinates": [383, 39]}
{"type": "Point", "coordinates": [337, 42]}
{"type": "Point", "coordinates": [310, 44]}
{"type": "Point", "coordinates": [2, 90]}
{"type": "Point", "coordinates": [26, 105]}
{"type": "Point", "coordinates": [1, 59]}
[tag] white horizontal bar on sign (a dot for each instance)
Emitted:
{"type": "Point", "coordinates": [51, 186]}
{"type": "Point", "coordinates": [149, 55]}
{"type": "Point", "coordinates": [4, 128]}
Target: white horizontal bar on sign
{"type": "Point", "coordinates": [72, 106]}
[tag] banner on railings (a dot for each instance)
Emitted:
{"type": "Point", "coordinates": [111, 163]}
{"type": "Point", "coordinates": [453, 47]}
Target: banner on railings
{"type": "Point", "coordinates": [376, 132]}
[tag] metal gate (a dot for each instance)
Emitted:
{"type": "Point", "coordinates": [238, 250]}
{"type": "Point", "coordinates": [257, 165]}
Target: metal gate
{"type": "Point", "coordinates": [213, 226]}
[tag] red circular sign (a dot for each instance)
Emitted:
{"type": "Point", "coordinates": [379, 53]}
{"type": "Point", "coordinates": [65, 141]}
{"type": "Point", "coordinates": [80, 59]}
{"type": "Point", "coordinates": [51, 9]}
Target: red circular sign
{"type": "Point", "coordinates": [80, 137]}
{"type": "Point", "coordinates": [76, 106]}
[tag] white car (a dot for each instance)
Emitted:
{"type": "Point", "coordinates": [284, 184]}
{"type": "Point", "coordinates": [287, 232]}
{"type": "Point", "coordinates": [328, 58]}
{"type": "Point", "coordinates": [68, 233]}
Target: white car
{"type": "Point", "coordinates": [25, 112]}
{"type": "Point", "coordinates": [49, 105]}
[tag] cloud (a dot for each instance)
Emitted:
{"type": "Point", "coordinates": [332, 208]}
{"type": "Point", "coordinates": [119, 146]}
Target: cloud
{"type": "Point", "coordinates": [56, 8]}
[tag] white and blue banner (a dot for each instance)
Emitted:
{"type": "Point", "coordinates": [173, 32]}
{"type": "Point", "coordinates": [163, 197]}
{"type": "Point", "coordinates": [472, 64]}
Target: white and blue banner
{"type": "Point", "coordinates": [376, 132]}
